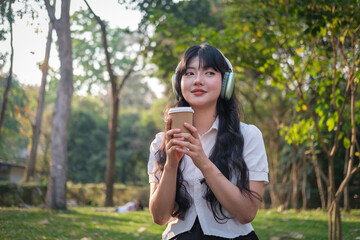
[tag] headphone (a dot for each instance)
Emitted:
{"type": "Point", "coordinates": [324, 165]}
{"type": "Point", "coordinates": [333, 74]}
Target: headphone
{"type": "Point", "coordinates": [227, 84]}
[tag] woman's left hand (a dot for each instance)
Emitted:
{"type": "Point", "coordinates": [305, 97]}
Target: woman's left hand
{"type": "Point", "coordinates": [191, 146]}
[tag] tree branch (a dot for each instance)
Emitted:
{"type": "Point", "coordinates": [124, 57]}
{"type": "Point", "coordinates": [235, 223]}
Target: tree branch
{"type": "Point", "coordinates": [51, 11]}
{"type": "Point", "coordinates": [65, 9]}
{"type": "Point", "coordinates": [130, 70]}
{"type": "Point", "coordinates": [112, 76]}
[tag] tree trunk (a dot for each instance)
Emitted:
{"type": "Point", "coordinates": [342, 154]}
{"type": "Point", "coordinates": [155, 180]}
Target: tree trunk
{"type": "Point", "coordinates": [56, 193]}
{"type": "Point", "coordinates": [318, 175]}
{"type": "Point", "coordinates": [335, 229]}
{"type": "Point", "coordinates": [46, 151]}
{"type": "Point", "coordinates": [335, 226]}
{"type": "Point", "coordinates": [303, 189]}
{"type": "Point", "coordinates": [283, 194]}
{"type": "Point", "coordinates": [110, 164]}
{"type": "Point", "coordinates": [295, 185]}
{"type": "Point", "coordinates": [30, 168]}
{"type": "Point", "coordinates": [333, 221]}
{"type": "Point", "coordinates": [346, 188]}
{"type": "Point", "coordinates": [274, 171]}
{"type": "Point", "coordinates": [295, 176]}
{"type": "Point", "coordinates": [9, 78]}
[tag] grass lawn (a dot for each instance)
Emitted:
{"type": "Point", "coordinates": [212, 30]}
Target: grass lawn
{"type": "Point", "coordinates": [85, 223]}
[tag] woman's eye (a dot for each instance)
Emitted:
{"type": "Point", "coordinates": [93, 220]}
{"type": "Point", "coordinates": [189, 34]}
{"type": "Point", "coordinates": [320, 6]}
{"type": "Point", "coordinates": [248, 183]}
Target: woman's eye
{"type": "Point", "coordinates": [189, 73]}
{"type": "Point", "coordinates": [210, 73]}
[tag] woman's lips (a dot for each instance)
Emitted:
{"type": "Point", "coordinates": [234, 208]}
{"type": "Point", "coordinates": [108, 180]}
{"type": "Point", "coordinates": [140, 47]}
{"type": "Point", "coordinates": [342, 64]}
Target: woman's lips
{"type": "Point", "coordinates": [198, 92]}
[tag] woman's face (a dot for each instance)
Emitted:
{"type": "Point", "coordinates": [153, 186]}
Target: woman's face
{"type": "Point", "coordinates": [201, 86]}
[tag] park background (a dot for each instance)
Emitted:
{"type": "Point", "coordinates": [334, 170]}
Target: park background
{"type": "Point", "coordinates": [297, 74]}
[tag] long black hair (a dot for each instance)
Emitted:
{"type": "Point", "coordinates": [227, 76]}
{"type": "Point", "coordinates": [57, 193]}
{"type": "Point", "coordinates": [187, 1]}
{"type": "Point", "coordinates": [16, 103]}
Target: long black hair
{"type": "Point", "coordinates": [227, 153]}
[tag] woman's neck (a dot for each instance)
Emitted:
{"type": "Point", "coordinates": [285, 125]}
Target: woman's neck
{"type": "Point", "coordinates": [204, 119]}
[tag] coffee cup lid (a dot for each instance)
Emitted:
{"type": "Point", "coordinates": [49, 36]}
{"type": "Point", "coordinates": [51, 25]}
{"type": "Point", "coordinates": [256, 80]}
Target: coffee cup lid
{"type": "Point", "coordinates": [180, 109]}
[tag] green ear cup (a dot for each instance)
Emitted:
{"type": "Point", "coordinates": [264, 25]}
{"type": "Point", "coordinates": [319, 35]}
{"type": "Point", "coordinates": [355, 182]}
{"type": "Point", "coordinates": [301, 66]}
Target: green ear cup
{"type": "Point", "coordinates": [227, 86]}
{"type": "Point", "coordinates": [173, 84]}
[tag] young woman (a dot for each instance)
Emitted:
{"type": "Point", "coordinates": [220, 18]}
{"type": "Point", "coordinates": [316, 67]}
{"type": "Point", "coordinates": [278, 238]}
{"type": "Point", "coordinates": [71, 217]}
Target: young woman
{"type": "Point", "coordinates": [207, 184]}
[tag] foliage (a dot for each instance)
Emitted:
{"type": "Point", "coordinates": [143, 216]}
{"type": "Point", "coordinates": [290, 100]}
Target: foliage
{"type": "Point", "coordinates": [89, 55]}
{"type": "Point", "coordinates": [23, 194]}
{"type": "Point", "coordinates": [177, 26]}
{"type": "Point", "coordinates": [87, 138]}
{"type": "Point", "coordinates": [13, 14]}
{"type": "Point", "coordinates": [14, 139]}
{"type": "Point", "coordinates": [84, 222]}
{"type": "Point", "coordinates": [27, 8]}
{"type": "Point", "coordinates": [292, 51]}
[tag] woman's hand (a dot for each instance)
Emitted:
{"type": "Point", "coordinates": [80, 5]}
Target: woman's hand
{"type": "Point", "coordinates": [173, 156]}
{"type": "Point", "coordinates": [162, 195]}
{"type": "Point", "coordinates": [190, 144]}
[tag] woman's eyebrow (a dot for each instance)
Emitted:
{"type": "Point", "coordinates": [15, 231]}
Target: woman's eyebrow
{"type": "Point", "coordinates": [209, 67]}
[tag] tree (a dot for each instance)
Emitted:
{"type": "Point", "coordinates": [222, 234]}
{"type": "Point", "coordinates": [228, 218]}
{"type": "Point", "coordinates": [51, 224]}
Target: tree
{"type": "Point", "coordinates": [56, 192]}
{"type": "Point", "coordinates": [309, 50]}
{"type": "Point", "coordinates": [9, 78]}
{"type": "Point", "coordinates": [116, 86]}
{"type": "Point", "coordinates": [30, 168]}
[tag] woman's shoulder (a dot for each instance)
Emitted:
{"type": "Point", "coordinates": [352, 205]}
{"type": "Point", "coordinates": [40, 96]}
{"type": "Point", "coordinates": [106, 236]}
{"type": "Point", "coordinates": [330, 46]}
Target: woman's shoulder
{"type": "Point", "coordinates": [156, 143]}
{"type": "Point", "coordinates": [249, 130]}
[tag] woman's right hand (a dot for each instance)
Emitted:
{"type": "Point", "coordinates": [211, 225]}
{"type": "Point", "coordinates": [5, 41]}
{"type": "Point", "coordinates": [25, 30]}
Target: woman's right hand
{"type": "Point", "coordinates": [172, 155]}
{"type": "Point", "coordinates": [162, 194]}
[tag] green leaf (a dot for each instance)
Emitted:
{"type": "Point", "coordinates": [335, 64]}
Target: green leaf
{"type": "Point", "coordinates": [347, 142]}
{"type": "Point", "coordinates": [330, 123]}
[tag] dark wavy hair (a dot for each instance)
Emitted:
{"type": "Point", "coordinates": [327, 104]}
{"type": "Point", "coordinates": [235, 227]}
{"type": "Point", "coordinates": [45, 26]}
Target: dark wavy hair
{"type": "Point", "coordinates": [227, 153]}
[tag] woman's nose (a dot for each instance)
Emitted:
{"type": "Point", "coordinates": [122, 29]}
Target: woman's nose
{"type": "Point", "coordinates": [198, 79]}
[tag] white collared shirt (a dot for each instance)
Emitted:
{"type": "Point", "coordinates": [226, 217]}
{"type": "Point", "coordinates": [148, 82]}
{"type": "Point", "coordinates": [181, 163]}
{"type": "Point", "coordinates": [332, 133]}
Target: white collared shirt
{"type": "Point", "coordinates": [256, 160]}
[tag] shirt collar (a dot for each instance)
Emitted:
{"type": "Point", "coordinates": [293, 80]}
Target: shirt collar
{"type": "Point", "coordinates": [214, 126]}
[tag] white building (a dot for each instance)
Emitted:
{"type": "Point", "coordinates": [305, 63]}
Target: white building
{"type": "Point", "coordinates": [11, 172]}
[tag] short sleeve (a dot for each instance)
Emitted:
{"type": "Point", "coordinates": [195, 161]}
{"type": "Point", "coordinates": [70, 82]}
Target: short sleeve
{"type": "Point", "coordinates": [255, 153]}
{"type": "Point", "coordinates": [152, 163]}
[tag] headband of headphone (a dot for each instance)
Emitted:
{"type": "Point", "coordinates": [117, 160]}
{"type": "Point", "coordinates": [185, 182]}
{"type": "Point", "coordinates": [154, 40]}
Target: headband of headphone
{"type": "Point", "coordinates": [227, 85]}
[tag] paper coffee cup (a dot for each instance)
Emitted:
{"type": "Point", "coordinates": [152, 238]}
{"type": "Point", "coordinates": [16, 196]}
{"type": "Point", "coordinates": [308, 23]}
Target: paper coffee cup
{"type": "Point", "coordinates": [179, 115]}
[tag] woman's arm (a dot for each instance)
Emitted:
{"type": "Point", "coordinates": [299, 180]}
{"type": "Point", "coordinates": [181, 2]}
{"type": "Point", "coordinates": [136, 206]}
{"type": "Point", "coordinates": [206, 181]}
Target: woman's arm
{"type": "Point", "coordinates": [162, 194]}
{"type": "Point", "coordinates": [242, 206]}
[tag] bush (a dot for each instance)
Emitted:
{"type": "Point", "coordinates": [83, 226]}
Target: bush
{"type": "Point", "coordinates": [12, 194]}
{"type": "Point", "coordinates": [94, 194]}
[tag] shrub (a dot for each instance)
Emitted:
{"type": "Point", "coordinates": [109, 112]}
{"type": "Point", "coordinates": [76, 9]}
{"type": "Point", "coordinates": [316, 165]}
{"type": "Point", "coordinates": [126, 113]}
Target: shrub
{"type": "Point", "coordinates": [12, 194]}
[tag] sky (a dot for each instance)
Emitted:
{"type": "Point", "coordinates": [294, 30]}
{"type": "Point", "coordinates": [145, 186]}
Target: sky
{"type": "Point", "coordinates": [30, 37]}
